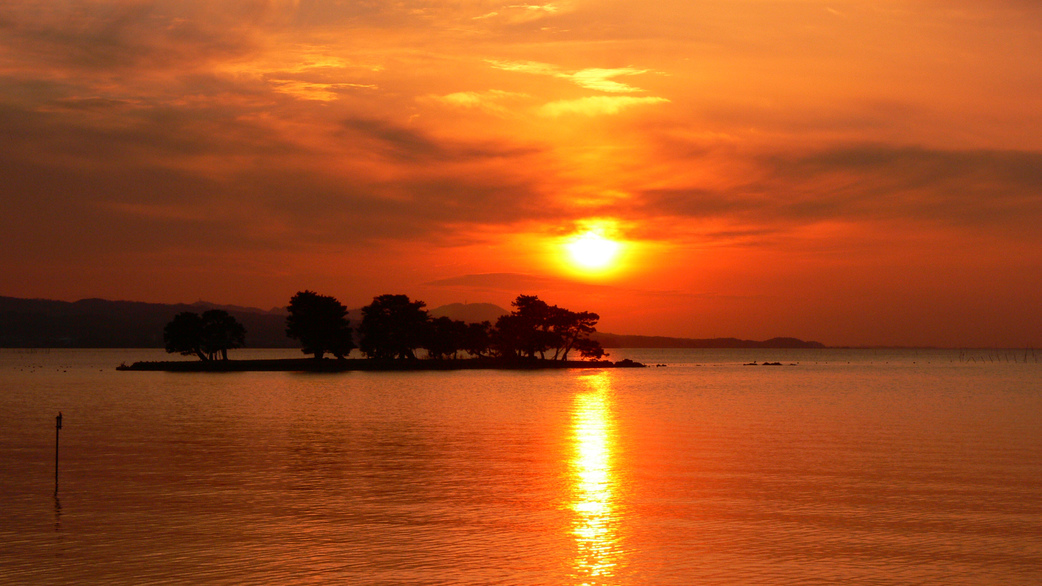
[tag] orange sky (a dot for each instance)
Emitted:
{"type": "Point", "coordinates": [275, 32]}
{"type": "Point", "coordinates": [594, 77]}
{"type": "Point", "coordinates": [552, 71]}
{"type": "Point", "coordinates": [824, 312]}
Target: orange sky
{"type": "Point", "coordinates": [852, 172]}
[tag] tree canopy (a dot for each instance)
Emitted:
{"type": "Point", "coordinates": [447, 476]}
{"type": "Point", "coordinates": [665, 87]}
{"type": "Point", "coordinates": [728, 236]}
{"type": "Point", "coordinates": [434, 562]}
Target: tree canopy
{"type": "Point", "coordinates": [535, 328]}
{"type": "Point", "coordinates": [207, 336]}
{"type": "Point", "coordinates": [184, 334]}
{"type": "Point", "coordinates": [221, 332]}
{"type": "Point", "coordinates": [393, 327]}
{"type": "Point", "coordinates": [320, 323]}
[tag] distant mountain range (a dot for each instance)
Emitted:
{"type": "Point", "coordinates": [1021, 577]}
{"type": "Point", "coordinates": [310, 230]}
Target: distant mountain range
{"type": "Point", "coordinates": [622, 341]}
{"type": "Point", "coordinates": [99, 323]}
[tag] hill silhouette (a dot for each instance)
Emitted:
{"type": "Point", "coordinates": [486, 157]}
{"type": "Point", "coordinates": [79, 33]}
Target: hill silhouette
{"type": "Point", "coordinates": [99, 323]}
{"type": "Point", "coordinates": [625, 341]}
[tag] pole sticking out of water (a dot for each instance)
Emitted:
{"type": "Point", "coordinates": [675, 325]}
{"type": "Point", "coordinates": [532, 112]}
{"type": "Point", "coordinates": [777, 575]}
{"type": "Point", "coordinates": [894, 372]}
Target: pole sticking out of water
{"type": "Point", "coordinates": [57, 432]}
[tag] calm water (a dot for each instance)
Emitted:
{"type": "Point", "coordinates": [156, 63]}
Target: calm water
{"type": "Point", "coordinates": [861, 467]}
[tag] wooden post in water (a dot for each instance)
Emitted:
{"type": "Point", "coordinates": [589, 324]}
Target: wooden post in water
{"type": "Point", "coordinates": [57, 431]}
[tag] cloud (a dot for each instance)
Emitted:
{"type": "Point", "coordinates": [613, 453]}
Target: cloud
{"type": "Point", "coordinates": [114, 36]}
{"type": "Point", "coordinates": [204, 179]}
{"type": "Point", "coordinates": [550, 7]}
{"type": "Point", "coordinates": [527, 284]}
{"type": "Point", "coordinates": [322, 92]}
{"type": "Point", "coordinates": [593, 78]}
{"type": "Point", "coordinates": [964, 188]}
{"type": "Point", "coordinates": [520, 13]}
{"type": "Point", "coordinates": [983, 190]}
{"type": "Point", "coordinates": [532, 67]}
{"type": "Point", "coordinates": [489, 101]}
{"type": "Point", "coordinates": [404, 144]}
{"type": "Point", "coordinates": [601, 79]}
{"type": "Point", "coordinates": [596, 105]}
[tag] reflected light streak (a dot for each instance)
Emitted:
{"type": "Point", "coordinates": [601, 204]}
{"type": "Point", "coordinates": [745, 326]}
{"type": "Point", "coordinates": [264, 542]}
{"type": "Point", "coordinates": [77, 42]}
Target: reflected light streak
{"type": "Point", "coordinates": [593, 492]}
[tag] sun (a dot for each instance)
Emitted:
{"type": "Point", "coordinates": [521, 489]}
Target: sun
{"type": "Point", "coordinates": [591, 251]}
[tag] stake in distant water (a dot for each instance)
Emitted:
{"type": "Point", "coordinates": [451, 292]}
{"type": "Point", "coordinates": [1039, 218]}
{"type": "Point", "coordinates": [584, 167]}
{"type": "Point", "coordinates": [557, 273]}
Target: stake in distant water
{"type": "Point", "coordinates": [57, 431]}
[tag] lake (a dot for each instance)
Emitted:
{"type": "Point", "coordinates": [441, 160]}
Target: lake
{"type": "Point", "coordinates": [840, 466]}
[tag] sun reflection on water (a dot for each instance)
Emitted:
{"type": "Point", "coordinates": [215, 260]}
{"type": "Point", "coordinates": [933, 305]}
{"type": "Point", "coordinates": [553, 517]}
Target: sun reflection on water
{"type": "Point", "coordinates": [594, 484]}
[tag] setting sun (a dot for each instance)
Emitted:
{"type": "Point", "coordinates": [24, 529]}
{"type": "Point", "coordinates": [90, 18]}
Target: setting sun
{"type": "Point", "coordinates": [592, 251]}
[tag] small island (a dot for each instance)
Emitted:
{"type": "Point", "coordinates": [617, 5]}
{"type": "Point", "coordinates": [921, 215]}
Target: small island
{"type": "Point", "coordinates": [533, 336]}
{"type": "Point", "coordinates": [368, 364]}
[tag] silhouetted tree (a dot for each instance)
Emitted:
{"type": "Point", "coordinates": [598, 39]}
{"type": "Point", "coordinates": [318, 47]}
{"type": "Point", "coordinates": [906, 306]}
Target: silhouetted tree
{"type": "Point", "coordinates": [513, 337]}
{"type": "Point", "coordinates": [573, 328]}
{"type": "Point", "coordinates": [478, 339]}
{"type": "Point", "coordinates": [393, 327]}
{"type": "Point", "coordinates": [535, 328]}
{"type": "Point", "coordinates": [589, 349]}
{"type": "Point", "coordinates": [525, 332]}
{"type": "Point", "coordinates": [206, 336]}
{"type": "Point", "coordinates": [445, 338]}
{"type": "Point", "coordinates": [320, 323]}
{"type": "Point", "coordinates": [221, 332]}
{"type": "Point", "coordinates": [184, 334]}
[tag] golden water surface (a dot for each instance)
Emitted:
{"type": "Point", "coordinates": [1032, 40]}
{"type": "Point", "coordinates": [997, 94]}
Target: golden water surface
{"type": "Point", "coordinates": [849, 467]}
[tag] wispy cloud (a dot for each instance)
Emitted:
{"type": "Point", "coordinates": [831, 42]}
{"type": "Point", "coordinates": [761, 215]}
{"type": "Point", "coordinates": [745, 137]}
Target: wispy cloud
{"type": "Point", "coordinates": [322, 92]}
{"type": "Point", "coordinates": [490, 101]}
{"type": "Point", "coordinates": [970, 190]}
{"type": "Point", "coordinates": [401, 143]}
{"type": "Point", "coordinates": [601, 79]}
{"type": "Point", "coordinates": [521, 13]}
{"type": "Point", "coordinates": [594, 78]}
{"type": "Point", "coordinates": [596, 105]}
{"type": "Point", "coordinates": [550, 7]}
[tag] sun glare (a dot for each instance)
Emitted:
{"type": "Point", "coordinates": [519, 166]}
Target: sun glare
{"type": "Point", "coordinates": [592, 251]}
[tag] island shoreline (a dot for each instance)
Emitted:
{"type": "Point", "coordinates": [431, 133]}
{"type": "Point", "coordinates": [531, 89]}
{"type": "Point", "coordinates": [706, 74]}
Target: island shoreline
{"type": "Point", "coordinates": [370, 365]}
